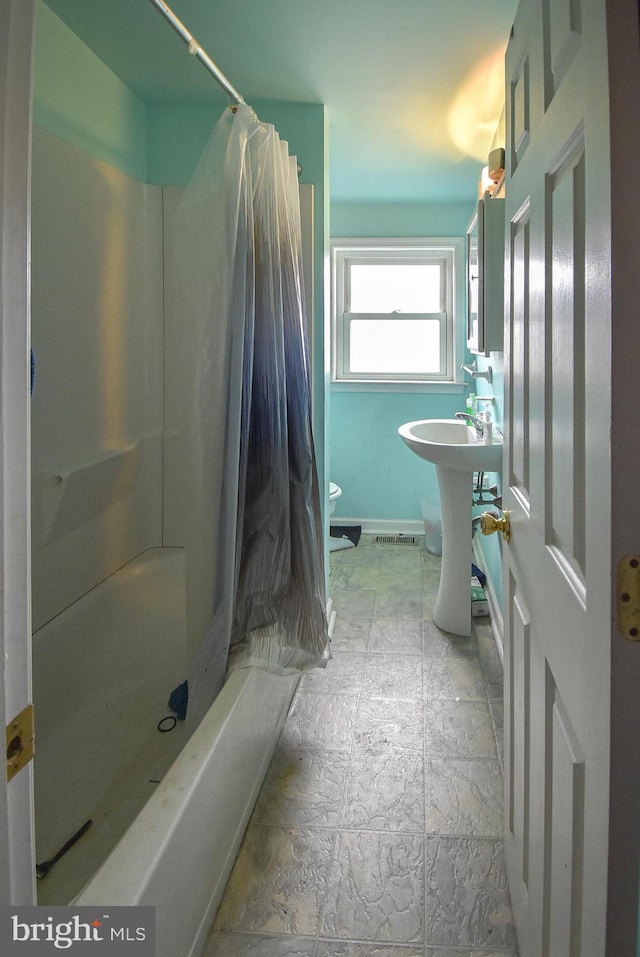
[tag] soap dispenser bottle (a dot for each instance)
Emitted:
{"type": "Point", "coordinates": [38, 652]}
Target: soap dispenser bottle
{"type": "Point", "coordinates": [472, 404]}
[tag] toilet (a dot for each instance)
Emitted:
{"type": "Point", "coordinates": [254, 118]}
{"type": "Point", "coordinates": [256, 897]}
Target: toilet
{"type": "Point", "coordinates": [335, 544]}
{"type": "Point", "coordinates": [334, 494]}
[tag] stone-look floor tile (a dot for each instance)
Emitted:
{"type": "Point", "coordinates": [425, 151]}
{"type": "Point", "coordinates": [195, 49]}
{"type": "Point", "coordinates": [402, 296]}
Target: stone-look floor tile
{"type": "Point", "coordinates": [429, 560]}
{"type": "Point", "coordinates": [458, 678]}
{"type": "Point", "coordinates": [354, 602]}
{"type": "Point", "coordinates": [335, 561]}
{"type": "Point", "coordinates": [349, 948]}
{"type": "Point", "coordinates": [278, 881]}
{"type": "Point", "coordinates": [389, 724]}
{"type": "Point", "coordinates": [428, 607]}
{"type": "Point", "coordinates": [351, 634]}
{"type": "Point", "coordinates": [362, 574]}
{"type": "Point", "coordinates": [320, 721]}
{"type": "Point", "coordinates": [485, 637]}
{"type": "Point", "coordinates": [367, 540]}
{"type": "Point", "coordinates": [431, 578]}
{"type": "Point", "coordinates": [373, 884]}
{"type": "Point", "coordinates": [303, 787]}
{"type": "Point", "coordinates": [364, 555]}
{"type": "Point", "coordinates": [397, 600]}
{"type": "Point", "coordinates": [463, 797]}
{"type": "Point", "coordinates": [376, 888]}
{"type": "Point", "coordinates": [342, 675]}
{"type": "Point", "coordinates": [496, 706]}
{"type": "Point", "coordinates": [492, 673]}
{"type": "Point", "coordinates": [400, 636]}
{"type": "Point", "coordinates": [392, 676]}
{"type": "Point", "coordinates": [397, 579]}
{"type": "Point", "coordinates": [228, 944]}
{"type": "Point", "coordinates": [458, 729]}
{"type": "Point", "coordinates": [466, 893]}
{"type": "Point", "coordinates": [437, 642]}
{"type": "Point", "coordinates": [400, 568]}
{"type": "Point", "coordinates": [384, 792]}
{"type": "Point", "coordinates": [466, 952]}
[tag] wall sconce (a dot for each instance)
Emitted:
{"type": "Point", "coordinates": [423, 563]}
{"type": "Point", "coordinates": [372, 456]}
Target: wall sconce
{"type": "Point", "coordinates": [495, 167]}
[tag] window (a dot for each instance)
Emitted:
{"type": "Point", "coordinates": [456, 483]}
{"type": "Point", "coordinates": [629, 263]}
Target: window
{"type": "Point", "coordinates": [393, 310]}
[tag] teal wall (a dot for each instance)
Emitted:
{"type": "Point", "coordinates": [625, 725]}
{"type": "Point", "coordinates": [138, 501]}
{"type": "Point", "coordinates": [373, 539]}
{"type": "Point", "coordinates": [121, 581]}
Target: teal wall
{"type": "Point", "coordinates": [79, 99]}
{"type": "Point", "coordinates": [491, 546]}
{"type": "Point", "coordinates": [379, 477]}
{"type": "Point", "coordinates": [400, 219]}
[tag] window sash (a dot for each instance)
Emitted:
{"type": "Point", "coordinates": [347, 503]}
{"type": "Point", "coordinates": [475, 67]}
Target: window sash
{"type": "Point", "coordinates": [386, 260]}
{"type": "Point", "coordinates": [344, 362]}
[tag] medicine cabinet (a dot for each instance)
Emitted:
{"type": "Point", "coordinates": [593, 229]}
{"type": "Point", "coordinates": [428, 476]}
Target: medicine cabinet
{"type": "Point", "coordinates": [485, 277]}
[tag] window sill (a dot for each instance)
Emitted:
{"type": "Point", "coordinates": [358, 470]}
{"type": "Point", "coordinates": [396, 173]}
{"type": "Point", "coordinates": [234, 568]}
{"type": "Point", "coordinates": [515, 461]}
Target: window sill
{"type": "Point", "coordinates": [370, 385]}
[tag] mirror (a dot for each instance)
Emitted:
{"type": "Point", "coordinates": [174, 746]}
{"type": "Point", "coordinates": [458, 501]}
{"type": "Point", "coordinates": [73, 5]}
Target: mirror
{"type": "Point", "coordinates": [485, 276]}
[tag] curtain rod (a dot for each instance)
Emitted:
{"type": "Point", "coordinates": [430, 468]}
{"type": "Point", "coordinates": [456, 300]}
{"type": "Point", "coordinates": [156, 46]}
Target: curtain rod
{"type": "Point", "coordinates": [196, 50]}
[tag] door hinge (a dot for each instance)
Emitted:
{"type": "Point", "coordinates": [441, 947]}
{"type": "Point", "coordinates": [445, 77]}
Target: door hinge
{"type": "Point", "coordinates": [20, 741]}
{"type": "Point", "coordinates": [629, 597]}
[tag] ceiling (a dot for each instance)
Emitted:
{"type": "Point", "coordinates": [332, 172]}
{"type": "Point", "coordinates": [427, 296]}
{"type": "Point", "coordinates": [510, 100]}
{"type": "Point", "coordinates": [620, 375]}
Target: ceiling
{"type": "Point", "coordinates": [413, 88]}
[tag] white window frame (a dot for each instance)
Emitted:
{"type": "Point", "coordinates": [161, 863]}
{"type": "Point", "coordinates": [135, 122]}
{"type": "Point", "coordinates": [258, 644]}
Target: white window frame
{"type": "Point", "coordinates": [449, 253]}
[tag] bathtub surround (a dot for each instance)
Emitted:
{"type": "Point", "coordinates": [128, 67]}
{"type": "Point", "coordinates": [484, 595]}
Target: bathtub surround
{"type": "Point", "coordinates": [97, 411]}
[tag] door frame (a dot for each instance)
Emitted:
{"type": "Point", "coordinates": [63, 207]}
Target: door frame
{"type": "Point", "coordinates": [623, 27]}
{"type": "Point", "coordinates": [17, 861]}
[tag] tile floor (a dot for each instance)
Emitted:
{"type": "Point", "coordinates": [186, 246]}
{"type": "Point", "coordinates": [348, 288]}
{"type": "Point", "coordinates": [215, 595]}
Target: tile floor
{"type": "Point", "coordinates": [377, 830]}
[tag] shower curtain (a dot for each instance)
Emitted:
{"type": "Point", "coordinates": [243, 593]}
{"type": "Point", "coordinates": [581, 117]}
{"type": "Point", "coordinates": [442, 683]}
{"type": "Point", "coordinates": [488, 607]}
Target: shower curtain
{"type": "Point", "coordinates": [255, 479]}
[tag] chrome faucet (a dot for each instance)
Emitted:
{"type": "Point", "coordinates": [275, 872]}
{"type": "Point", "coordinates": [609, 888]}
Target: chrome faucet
{"type": "Point", "coordinates": [473, 420]}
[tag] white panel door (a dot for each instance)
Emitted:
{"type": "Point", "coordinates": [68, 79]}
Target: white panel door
{"type": "Point", "coordinates": [17, 19]}
{"type": "Point", "coordinates": [558, 486]}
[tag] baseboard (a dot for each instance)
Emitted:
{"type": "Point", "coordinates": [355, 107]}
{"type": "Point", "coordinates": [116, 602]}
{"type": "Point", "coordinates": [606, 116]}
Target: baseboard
{"type": "Point", "coordinates": [382, 526]}
{"type": "Point", "coordinates": [495, 611]}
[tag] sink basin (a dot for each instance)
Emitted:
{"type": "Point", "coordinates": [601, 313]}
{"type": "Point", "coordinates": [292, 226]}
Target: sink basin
{"type": "Point", "coordinates": [451, 444]}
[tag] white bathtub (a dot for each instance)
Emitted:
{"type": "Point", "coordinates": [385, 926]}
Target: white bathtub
{"type": "Point", "coordinates": [167, 838]}
{"type": "Point", "coordinates": [179, 852]}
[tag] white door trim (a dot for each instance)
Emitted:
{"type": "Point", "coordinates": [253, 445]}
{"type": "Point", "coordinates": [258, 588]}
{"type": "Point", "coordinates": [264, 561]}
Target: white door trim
{"type": "Point", "coordinates": [17, 871]}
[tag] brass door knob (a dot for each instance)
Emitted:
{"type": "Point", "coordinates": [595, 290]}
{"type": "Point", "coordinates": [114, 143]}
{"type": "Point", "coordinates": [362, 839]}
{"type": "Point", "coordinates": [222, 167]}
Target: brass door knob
{"type": "Point", "coordinates": [490, 523]}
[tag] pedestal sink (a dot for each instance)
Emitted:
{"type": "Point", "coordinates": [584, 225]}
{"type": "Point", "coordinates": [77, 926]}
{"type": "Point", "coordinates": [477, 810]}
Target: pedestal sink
{"type": "Point", "coordinates": [456, 452]}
